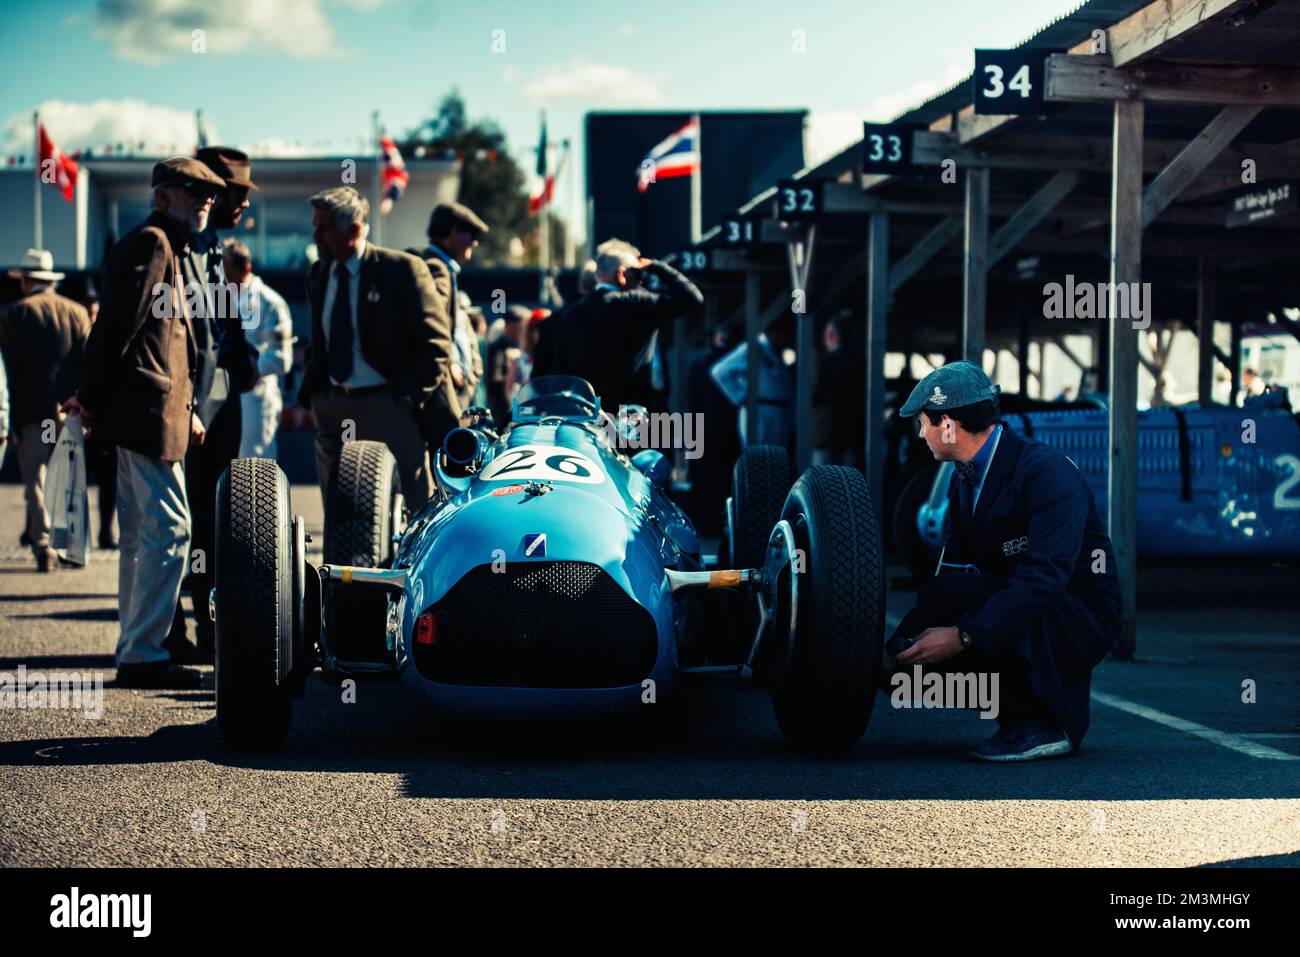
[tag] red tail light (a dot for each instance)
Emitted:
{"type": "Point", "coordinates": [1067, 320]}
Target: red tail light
{"type": "Point", "coordinates": [426, 629]}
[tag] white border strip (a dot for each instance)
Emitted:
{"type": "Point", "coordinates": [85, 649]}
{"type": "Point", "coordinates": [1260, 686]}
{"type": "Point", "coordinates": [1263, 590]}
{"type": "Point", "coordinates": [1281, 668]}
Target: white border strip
{"type": "Point", "coordinates": [1222, 738]}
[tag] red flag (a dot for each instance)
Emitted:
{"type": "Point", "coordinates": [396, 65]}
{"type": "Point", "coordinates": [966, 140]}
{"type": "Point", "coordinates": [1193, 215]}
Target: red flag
{"type": "Point", "coordinates": [541, 199]}
{"type": "Point", "coordinates": [395, 175]}
{"type": "Point", "coordinates": [65, 170]}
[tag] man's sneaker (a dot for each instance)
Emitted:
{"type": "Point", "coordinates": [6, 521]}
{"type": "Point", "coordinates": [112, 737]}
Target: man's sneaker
{"type": "Point", "coordinates": [158, 674]}
{"type": "Point", "coordinates": [1024, 741]}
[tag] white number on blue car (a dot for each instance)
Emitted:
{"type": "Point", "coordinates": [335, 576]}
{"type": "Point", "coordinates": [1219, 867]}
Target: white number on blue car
{"type": "Point", "coordinates": [548, 463]}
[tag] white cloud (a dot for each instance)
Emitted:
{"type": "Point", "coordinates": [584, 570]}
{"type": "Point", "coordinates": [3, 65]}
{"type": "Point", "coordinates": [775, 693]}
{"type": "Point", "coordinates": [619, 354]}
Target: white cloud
{"type": "Point", "coordinates": [81, 126]}
{"type": "Point", "coordinates": [885, 107]}
{"type": "Point", "coordinates": [831, 133]}
{"type": "Point", "coordinates": [592, 84]}
{"type": "Point", "coordinates": [157, 31]}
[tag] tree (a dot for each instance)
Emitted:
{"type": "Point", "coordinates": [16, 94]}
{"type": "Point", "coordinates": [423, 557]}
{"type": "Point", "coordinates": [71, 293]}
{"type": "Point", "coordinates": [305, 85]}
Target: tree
{"type": "Point", "coordinates": [491, 182]}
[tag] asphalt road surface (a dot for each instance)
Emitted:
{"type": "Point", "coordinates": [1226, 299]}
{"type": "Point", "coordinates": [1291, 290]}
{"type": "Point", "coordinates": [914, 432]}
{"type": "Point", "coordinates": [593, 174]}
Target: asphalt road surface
{"type": "Point", "coordinates": [1176, 770]}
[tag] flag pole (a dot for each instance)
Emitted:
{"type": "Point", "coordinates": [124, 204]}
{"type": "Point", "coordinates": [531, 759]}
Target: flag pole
{"type": "Point", "coordinates": [376, 218]}
{"type": "Point", "coordinates": [697, 226]}
{"type": "Point", "coordinates": [36, 158]}
{"type": "Point", "coordinates": [566, 157]}
{"type": "Point", "coordinates": [544, 250]}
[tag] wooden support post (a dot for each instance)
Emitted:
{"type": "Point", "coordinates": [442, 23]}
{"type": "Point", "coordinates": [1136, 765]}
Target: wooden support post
{"type": "Point", "coordinates": [800, 257]}
{"type": "Point", "coordinates": [975, 266]}
{"type": "Point", "coordinates": [753, 327]}
{"type": "Point", "coordinates": [1205, 295]}
{"type": "Point", "coordinates": [877, 317]}
{"type": "Point", "coordinates": [1125, 268]}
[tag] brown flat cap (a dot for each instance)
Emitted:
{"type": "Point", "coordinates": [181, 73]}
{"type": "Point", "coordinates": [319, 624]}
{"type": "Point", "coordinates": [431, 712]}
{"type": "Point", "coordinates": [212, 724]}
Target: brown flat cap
{"type": "Point", "coordinates": [188, 172]}
{"type": "Point", "coordinates": [448, 216]}
{"type": "Point", "coordinates": [230, 164]}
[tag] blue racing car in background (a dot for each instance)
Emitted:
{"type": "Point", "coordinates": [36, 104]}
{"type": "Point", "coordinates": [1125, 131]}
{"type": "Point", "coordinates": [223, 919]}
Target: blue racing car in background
{"type": "Point", "coordinates": [1211, 481]}
{"type": "Point", "coordinates": [551, 574]}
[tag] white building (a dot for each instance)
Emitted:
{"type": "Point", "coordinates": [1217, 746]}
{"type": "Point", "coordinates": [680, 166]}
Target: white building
{"type": "Point", "coordinates": [113, 196]}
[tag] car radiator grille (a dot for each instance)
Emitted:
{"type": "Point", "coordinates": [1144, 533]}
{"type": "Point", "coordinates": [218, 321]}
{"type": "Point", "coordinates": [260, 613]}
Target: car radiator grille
{"type": "Point", "coordinates": [539, 625]}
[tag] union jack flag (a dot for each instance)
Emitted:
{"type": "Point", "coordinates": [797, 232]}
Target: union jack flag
{"type": "Point", "coordinates": [395, 175]}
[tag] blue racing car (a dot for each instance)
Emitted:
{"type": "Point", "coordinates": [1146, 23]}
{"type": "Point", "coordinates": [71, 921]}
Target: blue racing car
{"type": "Point", "coordinates": [551, 574]}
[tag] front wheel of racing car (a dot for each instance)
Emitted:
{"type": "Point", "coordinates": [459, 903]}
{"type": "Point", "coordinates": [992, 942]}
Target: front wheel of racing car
{"type": "Point", "coordinates": [256, 622]}
{"type": "Point", "coordinates": [829, 614]}
{"type": "Point", "coordinates": [363, 512]}
{"type": "Point", "coordinates": [760, 481]}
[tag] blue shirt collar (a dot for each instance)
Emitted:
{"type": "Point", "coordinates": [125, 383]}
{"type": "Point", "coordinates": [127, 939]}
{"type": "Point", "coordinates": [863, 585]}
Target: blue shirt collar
{"type": "Point", "coordinates": [438, 251]}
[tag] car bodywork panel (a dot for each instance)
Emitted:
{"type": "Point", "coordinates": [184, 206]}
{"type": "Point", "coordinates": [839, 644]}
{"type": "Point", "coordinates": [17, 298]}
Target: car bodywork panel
{"type": "Point", "coordinates": [566, 481]}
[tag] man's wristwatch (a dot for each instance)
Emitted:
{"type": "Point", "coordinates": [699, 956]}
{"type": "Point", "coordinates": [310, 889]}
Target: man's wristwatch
{"type": "Point", "coordinates": [966, 640]}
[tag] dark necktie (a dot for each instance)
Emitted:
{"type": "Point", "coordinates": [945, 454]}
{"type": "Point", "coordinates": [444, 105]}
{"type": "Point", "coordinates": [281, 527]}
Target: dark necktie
{"type": "Point", "coordinates": [340, 346]}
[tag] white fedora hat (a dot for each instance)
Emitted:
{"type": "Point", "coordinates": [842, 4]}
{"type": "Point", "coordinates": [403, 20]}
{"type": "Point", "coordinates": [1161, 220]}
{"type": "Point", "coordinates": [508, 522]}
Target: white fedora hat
{"type": "Point", "coordinates": [37, 264]}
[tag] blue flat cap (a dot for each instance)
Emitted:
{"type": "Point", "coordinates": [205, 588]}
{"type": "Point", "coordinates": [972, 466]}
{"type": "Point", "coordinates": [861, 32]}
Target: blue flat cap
{"type": "Point", "coordinates": [950, 387]}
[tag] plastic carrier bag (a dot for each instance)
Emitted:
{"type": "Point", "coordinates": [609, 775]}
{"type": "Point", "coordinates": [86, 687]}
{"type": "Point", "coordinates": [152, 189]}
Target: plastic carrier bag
{"type": "Point", "coordinates": [65, 494]}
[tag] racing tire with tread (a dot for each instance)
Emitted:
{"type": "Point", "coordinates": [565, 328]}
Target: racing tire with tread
{"type": "Point", "coordinates": [253, 576]}
{"type": "Point", "coordinates": [359, 531]}
{"type": "Point", "coordinates": [760, 481]}
{"type": "Point", "coordinates": [824, 687]}
{"type": "Point", "coordinates": [912, 548]}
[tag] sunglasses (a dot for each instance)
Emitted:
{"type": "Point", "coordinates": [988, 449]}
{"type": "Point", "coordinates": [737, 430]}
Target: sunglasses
{"type": "Point", "coordinates": [198, 188]}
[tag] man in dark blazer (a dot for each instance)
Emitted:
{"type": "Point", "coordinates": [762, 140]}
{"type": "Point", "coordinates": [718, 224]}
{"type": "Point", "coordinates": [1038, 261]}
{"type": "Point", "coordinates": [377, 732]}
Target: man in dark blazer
{"type": "Point", "coordinates": [380, 356]}
{"type": "Point", "coordinates": [610, 334]}
{"type": "Point", "coordinates": [1026, 586]}
{"type": "Point", "coordinates": [42, 336]}
{"type": "Point", "coordinates": [137, 386]}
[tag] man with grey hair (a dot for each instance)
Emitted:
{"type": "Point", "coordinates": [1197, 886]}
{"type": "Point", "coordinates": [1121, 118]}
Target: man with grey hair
{"type": "Point", "coordinates": [609, 336]}
{"type": "Point", "coordinates": [379, 359]}
{"type": "Point", "coordinates": [137, 389]}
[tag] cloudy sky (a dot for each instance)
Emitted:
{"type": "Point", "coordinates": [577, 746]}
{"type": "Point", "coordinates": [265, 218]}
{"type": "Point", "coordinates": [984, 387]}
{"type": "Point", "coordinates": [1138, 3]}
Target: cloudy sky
{"type": "Point", "coordinates": [306, 74]}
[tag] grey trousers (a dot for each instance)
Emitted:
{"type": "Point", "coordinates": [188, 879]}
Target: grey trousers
{"type": "Point", "coordinates": [380, 417]}
{"type": "Point", "coordinates": [33, 457]}
{"type": "Point", "coordinates": [153, 518]}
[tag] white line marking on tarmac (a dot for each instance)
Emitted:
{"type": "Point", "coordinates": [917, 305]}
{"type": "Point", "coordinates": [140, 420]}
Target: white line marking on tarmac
{"type": "Point", "coordinates": [45, 752]}
{"type": "Point", "coordinates": [1233, 742]}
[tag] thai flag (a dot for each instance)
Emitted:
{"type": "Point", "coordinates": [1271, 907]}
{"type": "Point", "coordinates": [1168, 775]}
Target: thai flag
{"type": "Point", "coordinates": [395, 175]}
{"type": "Point", "coordinates": [678, 155]}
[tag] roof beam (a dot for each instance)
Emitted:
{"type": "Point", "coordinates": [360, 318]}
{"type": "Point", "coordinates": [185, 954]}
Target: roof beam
{"type": "Point", "coordinates": [1032, 213]}
{"type": "Point", "coordinates": [1090, 154]}
{"type": "Point", "coordinates": [1145, 33]}
{"type": "Point", "coordinates": [1092, 79]}
{"type": "Point", "coordinates": [926, 248]}
{"type": "Point", "coordinates": [1194, 158]}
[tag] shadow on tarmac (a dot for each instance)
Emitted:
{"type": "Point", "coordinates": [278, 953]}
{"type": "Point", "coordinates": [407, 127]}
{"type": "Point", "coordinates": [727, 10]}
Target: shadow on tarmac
{"type": "Point", "coordinates": [729, 749]}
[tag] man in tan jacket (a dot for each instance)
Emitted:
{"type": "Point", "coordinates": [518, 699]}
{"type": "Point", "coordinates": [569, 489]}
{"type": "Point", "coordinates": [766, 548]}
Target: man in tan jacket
{"type": "Point", "coordinates": [42, 336]}
{"type": "Point", "coordinates": [137, 384]}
